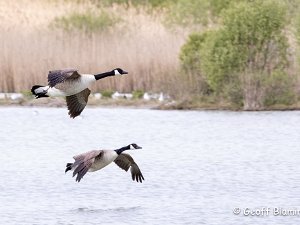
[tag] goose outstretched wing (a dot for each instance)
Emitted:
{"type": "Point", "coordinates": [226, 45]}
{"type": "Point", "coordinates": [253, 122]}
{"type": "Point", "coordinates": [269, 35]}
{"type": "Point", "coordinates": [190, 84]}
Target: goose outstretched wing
{"type": "Point", "coordinates": [76, 103]}
{"type": "Point", "coordinates": [125, 161]}
{"type": "Point", "coordinates": [83, 163]}
{"type": "Point", "coordinates": [60, 76]}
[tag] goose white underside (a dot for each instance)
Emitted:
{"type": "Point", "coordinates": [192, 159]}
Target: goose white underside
{"type": "Point", "coordinates": [107, 158]}
{"type": "Point", "coordinates": [70, 88]}
{"type": "Point", "coordinates": [54, 92]}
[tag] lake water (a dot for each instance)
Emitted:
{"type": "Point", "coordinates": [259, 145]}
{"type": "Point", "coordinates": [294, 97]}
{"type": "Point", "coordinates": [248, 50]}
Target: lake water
{"type": "Point", "coordinates": [198, 167]}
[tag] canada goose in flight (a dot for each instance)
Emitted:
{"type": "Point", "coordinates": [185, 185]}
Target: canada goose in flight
{"type": "Point", "coordinates": [73, 86]}
{"type": "Point", "coordinates": [97, 159]}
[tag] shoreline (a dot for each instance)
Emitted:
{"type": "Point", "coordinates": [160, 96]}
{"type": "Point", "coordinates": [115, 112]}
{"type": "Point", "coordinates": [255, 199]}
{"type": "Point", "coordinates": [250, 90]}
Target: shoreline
{"type": "Point", "coordinates": [141, 104]}
{"type": "Point", "coordinates": [93, 103]}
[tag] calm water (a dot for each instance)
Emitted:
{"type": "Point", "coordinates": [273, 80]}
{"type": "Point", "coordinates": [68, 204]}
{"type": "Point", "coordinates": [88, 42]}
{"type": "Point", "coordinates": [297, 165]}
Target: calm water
{"type": "Point", "coordinates": [198, 166]}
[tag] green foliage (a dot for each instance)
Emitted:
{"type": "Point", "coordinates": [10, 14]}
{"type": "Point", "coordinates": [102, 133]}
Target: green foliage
{"type": "Point", "coordinates": [250, 44]}
{"type": "Point", "coordinates": [216, 6]}
{"type": "Point", "coordinates": [251, 39]}
{"type": "Point", "coordinates": [219, 60]}
{"type": "Point", "coordinates": [107, 93]}
{"type": "Point", "coordinates": [196, 11]}
{"type": "Point", "coordinates": [189, 11]}
{"type": "Point", "coordinates": [136, 3]}
{"type": "Point", "coordinates": [27, 94]}
{"type": "Point", "coordinates": [233, 93]}
{"type": "Point", "coordinates": [179, 11]}
{"type": "Point", "coordinates": [190, 52]}
{"type": "Point", "coordinates": [137, 94]}
{"type": "Point", "coordinates": [279, 89]}
{"type": "Point", "coordinates": [87, 21]}
{"type": "Point", "coordinates": [191, 58]}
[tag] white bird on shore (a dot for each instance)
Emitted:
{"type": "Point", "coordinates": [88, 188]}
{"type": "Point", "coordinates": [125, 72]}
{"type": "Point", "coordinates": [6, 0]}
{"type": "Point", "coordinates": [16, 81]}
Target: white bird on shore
{"type": "Point", "coordinates": [72, 85]}
{"type": "Point", "coordinates": [97, 159]}
{"type": "Point", "coordinates": [146, 96]}
{"type": "Point", "coordinates": [161, 97]}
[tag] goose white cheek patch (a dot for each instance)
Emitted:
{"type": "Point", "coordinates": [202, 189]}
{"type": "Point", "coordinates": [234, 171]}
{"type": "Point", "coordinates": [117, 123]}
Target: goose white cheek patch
{"type": "Point", "coordinates": [117, 72]}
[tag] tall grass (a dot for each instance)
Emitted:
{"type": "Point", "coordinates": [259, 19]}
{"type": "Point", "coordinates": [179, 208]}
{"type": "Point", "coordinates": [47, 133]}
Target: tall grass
{"type": "Point", "coordinates": [139, 44]}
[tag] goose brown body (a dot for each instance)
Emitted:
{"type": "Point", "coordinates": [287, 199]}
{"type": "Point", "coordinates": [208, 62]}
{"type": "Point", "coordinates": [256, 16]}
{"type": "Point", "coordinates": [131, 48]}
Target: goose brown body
{"type": "Point", "coordinates": [95, 160]}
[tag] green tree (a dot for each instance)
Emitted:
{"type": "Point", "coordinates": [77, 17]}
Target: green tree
{"type": "Point", "coordinates": [191, 61]}
{"type": "Point", "coordinates": [244, 52]}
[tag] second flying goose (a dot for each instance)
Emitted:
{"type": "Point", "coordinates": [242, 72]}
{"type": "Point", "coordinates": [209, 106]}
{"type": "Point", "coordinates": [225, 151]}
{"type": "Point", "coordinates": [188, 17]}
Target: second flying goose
{"type": "Point", "coordinates": [97, 159]}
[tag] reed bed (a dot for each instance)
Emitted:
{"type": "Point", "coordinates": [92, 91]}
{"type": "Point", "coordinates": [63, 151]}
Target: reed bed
{"type": "Point", "coordinates": [140, 43]}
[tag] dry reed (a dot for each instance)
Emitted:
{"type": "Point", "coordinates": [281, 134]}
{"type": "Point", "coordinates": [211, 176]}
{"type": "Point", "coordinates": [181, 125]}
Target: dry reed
{"type": "Point", "coordinates": [139, 44]}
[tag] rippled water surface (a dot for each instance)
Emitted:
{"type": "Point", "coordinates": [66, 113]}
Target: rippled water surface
{"type": "Point", "coordinates": [198, 166]}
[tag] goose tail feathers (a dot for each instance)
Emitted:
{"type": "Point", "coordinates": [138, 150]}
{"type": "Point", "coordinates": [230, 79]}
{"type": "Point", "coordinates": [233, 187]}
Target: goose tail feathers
{"type": "Point", "coordinates": [39, 91]}
{"type": "Point", "coordinates": [68, 167]}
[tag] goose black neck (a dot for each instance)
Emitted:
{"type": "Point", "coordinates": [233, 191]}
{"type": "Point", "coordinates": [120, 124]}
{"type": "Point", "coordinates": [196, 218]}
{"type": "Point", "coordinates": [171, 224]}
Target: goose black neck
{"type": "Point", "coordinates": [103, 75]}
{"type": "Point", "coordinates": [120, 150]}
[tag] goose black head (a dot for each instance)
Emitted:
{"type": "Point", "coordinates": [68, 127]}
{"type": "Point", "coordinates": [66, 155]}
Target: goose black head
{"type": "Point", "coordinates": [119, 71]}
{"type": "Point", "coordinates": [134, 146]}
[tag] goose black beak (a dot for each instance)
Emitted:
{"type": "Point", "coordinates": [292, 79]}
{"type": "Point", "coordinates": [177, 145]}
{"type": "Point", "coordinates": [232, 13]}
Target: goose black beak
{"type": "Point", "coordinates": [138, 147]}
{"type": "Point", "coordinates": [124, 72]}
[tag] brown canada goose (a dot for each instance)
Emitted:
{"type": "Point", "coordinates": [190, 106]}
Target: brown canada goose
{"type": "Point", "coordinates": [97, 159]}
{"type": "Point", "coordinates": [72, 85]}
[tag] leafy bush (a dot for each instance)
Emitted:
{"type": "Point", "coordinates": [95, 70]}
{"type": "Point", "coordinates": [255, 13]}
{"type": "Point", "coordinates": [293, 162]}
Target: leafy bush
{"type": "Point", "coordinates": [191, 63]}
{"type": "Point", "coordinates": [137, 94]}
{"type": "Point", "coordinates": [236, 58]}
{"type": "Point", "coordinates": [251, 39]}
{"type": "Point", "coordinates": [87, 21]}
{"type": "Point", "coordinates": [234, 93]}
{"type": "Point", "coordinates": [107, 93]}
{"type": "Point", "coordinates": [190, 52]}
{"type": "Point", "coordinates": [278, 89]}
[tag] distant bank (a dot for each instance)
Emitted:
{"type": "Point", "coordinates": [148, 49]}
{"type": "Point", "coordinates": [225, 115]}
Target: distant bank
{"type": "Point", "coordinates": [147, 100]}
